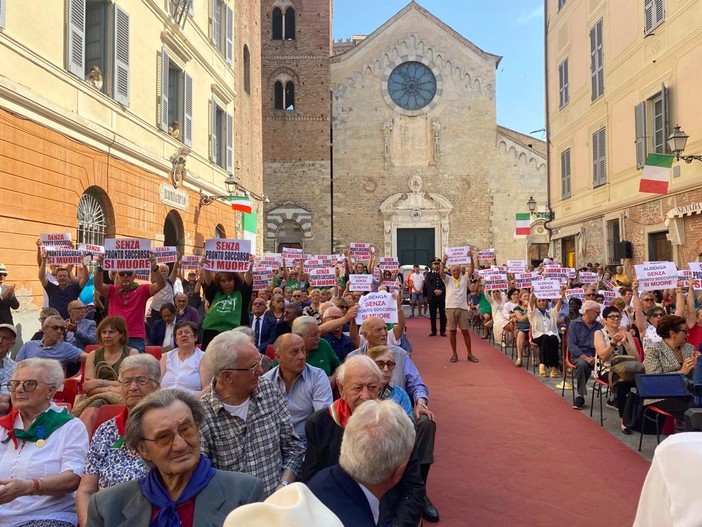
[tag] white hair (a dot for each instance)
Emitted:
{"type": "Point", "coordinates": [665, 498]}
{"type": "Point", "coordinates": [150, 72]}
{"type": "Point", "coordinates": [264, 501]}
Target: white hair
{"type": "Point", "coordinates": [378, 439]}
{"type": "Point", "coordinates": [224, 349]}
{"type": "Point", "coordinates": [357, 362]}
{"type": "Point", "coordinates": [50, 368]}
{"type": "Point", "coordinates": [142, 360]}
{"type": "Point", "coordinates": [301, 325]}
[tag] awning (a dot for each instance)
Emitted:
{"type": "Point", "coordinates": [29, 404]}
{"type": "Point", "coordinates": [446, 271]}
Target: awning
{"type": "Point", "coordinates": [682, 211]}
{"type": "Point", "coordinates": [565, 232]}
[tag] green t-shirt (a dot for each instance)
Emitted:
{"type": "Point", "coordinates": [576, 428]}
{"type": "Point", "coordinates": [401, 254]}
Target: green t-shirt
{"type": "Point", "coordinates": [324, 357]}
{"type": "Point", "coordinates": [225, 311]}
{"type": "Point", "coordinates": [484, 304]}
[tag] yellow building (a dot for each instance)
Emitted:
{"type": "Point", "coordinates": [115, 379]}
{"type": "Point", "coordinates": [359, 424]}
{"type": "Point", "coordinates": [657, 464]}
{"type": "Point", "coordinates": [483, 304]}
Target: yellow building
{"type": "Point", "coordinates": [116, 117]}
{"type": "Point", "coordinates": [620, 75]}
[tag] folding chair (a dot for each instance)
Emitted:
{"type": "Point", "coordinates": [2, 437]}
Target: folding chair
{"type": "Point", "coordinates": [659, 386]}
{"type": "Point", "coordinates": [567, 364]}
{"type": "Point", "coordinates": [597, 387]}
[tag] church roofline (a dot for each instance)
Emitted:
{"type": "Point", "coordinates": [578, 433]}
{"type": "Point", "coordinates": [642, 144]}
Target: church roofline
{"type": "Point", "coordinates": [526, 141]}
{"type": "Point", "coordinates": [414, 6]}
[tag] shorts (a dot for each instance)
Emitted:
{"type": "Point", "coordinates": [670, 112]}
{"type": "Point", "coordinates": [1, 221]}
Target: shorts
{"type": "Point", "coordinates": [417, 297]}
{"type": "Point", "coordinates": [457, 319]}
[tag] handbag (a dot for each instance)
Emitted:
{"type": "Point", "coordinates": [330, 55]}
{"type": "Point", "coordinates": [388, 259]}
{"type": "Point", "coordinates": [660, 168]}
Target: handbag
{"type": "Point", "coordinates": [626, 368]}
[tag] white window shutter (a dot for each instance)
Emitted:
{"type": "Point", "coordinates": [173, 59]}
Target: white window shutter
{"type": "Point", "coordinates": [648, 15]}
{"type": "Point", "coordinates": [75, 38]}
{"type": "Point", "coordinates": [640, 133]}
{"type": "Point", "coordinates": [191, 8]}
{"type": "Point", "coordinates": [121, 68]}
{"type": "Point", "coordinates": [230, 143]}
{"type": "Point", "coordinates": [666, 126]}
{"type": "Point", "coordinates": [229, 44]}
{"type": "Point", "coordinates": [188, 110]}
{"type": "Point", "coordinates": [213, 131]}
{"type": "Point", "coordinates": [602, 139]}
{"type": "Point", "coordinates": [215, 23]}
{"type": "Point", "coordinates": [3, 6]}
{"type": "Point", "coordinates": [165, 65]}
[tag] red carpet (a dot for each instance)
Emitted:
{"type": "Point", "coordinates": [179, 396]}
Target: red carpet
{"type": "Point", "coordinates": [511, 452]}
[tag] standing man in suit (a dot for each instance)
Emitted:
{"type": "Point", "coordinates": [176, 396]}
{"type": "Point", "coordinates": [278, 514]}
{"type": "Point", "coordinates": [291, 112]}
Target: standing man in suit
{"type": "Point", "coordinates": [368, 467]}
{"type": "Point", "coordinates": [436, 290]}
{"type": "Point", "coordinates": [261, 325]}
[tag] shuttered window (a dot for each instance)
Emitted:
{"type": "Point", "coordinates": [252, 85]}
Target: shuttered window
{"type": "Point", "coordinates": [176, 112]}
{"type": "Point", "coordinates": [597, 60]}
{"type": "Point", "coordinates": [654, 14]}
{"type": "Point", "coordinates": [651, 126]}
{"type": "Point", "coordinates": [599, 157]}
{"type": "Point", "coordinates": [563, 83]}
{"type": "Point", "coordinates": [187, 110]}
{"type": "Point", "coordinates": [221, 137]}
{"type": "Point", "coordinates": [640, 130]}
{"type": "Point", "coordinates": [3, 7]}
{"type": "Point", "coordinates": [222, 28]}
{"type": "Point", "coordinates": [121, 62]}
{"type": "Point", "coordinates": [75, 38]}
{"type": "Point", "coordinates": [565, 173]}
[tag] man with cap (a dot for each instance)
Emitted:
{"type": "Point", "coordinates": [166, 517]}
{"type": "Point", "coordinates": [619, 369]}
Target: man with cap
{"type": "Point", "coordinates": [8, 334]}
{"type": "Point", "coordinates": [436, 289]}
{"type": "Point", "coordinates": [8, 300]}
{"type": "Point", "coordinates": [581, 343]}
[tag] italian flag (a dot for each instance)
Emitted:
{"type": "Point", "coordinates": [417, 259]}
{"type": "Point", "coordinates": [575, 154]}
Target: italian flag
{"type": "Point", "coordinates": [523, 224]}
{"type": "Point", "coordinates": [240, 203]}
{"type": "Point", "coordinates": [656, 174]}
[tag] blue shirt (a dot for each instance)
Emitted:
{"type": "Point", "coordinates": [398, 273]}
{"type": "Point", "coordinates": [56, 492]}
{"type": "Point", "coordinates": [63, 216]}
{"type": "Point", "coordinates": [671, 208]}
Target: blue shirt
{"type": "Point", "coordinates": [310, 392]}
{"type": "Point", "coordinates": [342, 346]}
{"type": "Point", "coordinates": [581, 339]}
{"type": "Point", "coordinates": [61, 351]}
{"type": "Point", "coordinates": [400, 396]}
{"type": "Point", "coordinates": [84, 334]}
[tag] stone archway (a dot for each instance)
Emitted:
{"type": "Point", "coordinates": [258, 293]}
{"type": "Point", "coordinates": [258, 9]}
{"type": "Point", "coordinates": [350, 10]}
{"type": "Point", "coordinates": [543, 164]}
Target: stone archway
{"type": "Point", "coordinates": [288, 212]}
{"type": "Point", "coordinates": [416, 210]}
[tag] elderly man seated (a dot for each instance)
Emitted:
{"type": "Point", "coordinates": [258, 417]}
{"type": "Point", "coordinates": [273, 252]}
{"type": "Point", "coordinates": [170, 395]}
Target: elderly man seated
{"type": "Point", "coordinates": [305, 387]}
{"type": "Point", "coordinates": [360, 380]}
{"type": "Point", "coordinates": [319, 352]}
{"type": "Point", "coordinates": [581, 343]}
{"type": "Point", "coordinates": [406, 376]}
{"type": "Point", "coordinates": [247, 426]}
{"type": "Point", "coordinates": [81, 330]}
{"type": "Point", "coordinates": [52, 346]}
{"type": "Point", "coordinates": [368, 466]}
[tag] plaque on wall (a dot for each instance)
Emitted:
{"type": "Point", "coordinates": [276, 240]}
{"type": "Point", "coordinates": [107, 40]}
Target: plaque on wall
{"type": "Point", "coordinates": [171, 197]}
{"type": "Point", "coordinates": [416, 214]}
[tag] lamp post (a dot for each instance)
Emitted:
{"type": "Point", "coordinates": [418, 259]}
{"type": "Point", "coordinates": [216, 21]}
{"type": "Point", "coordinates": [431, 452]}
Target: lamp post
{"type": "Point", "coordinates": [676, 144]}
{"type": "Point", "coordinates": [229, 183]}
{"type": "Point", "coordinates": [531, 204]}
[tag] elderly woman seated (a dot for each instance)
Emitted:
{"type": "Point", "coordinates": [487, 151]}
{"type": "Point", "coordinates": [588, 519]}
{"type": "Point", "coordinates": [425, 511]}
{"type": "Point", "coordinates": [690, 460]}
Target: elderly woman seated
{"type": "Point", "coordinates": [109, 461]}
{"type": "Point", "coordinates": [183, 367]}
{"type": "Point", "coordinates": [42, 450]}
{"type": "Point", "coordinates": [181, 487]}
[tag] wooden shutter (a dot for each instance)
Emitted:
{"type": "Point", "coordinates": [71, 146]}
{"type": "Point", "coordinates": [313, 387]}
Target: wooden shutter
{"type": "Point", "coordinates": [666, 125]}
{"type": "Point", "coordinates": [565, 173]}
{"type": "Point", "coordinates": [599, 157]}
{"type": "Point", "coordinates": [648, 15]}
{"type": "Point", "coordinates": [75, 38]}
{"type": "Point", "coordinates": [215, 23]}
{"type": "Point", "coordinates": [596, 60]}
{"type": "Point", "coordinates": [229, 32]}
{"type": "Point", "coordinates": [563, 82]}
{"type": "Point", "coordinates": [213, 131]}
{"type": "Point", "coordinates": [3, 6]}
{"type": "Point", "coordinates": [230, 143]}
{"type": "Point", "coordinates": [165, 66]}
{"type": "Point", "coordinates": [640, 133]}
{"type": "Point", "coordinates": [121, 65]}
{"type": "Point", "coordinates": [187, 109]}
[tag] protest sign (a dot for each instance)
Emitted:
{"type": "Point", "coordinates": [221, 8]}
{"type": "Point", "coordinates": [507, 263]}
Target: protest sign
{"type": "Point", "coordinates": [293, 257]}
{"type": "Point", "coordinates": [696, 270]}
{"type": "Point", "coordinates": [495, 282]}
{"type": "Point", "coordinates": [557, 273]}
{"type": "Point", "coordinates": [486, 255]}
{"type": "Point", "coordinates": [608, 296]}
{"type": "Point", "coordinates": [128, 254]}
{"type": "Point", "coordinates": [227, 255]}
{"type": "Point", "coordinates": [360, 282]}
{"type": "Point", "coordinates": [360, 251]}
{"type": "Point", "coordinates": [323, 277]}
{"type": "Point", "coordinates": [380, 304]}
{"type": "Point", "coordinates": [166, 255]}
{"type": "Point", "coordinates": [458, 255]}
{"type": "Point", "coordinates": [578, 293]}
{"type": "Point", "coordinates": [391, 285]}
{"type": "Point", "coordinates": [548, 288]}
{"type": "Point", "coordinates": [271, 259]}
{"type": "Point", "coordinates": [389, 263]}
{"type": "Point", "coordinates": [190, 263]}
{"type": "Point", "coordinates": [658, 275]}
{"type": "Point", "coordinates": [523, 280]}
{"type": "Point", "coordinates": [56, 239]}
{"type": "Point", "coordinates": [570, 273]}
{"type": "Point", "coordinates": [314, 263]}
{"type": "Point", "coordinates": [587, 277]}
{"type": "Point", "coordinates": [262, 277]}
{"type": "Point", "coordinates": [57, 255]}
{"type": "Point", "coordinates": [516, 266]}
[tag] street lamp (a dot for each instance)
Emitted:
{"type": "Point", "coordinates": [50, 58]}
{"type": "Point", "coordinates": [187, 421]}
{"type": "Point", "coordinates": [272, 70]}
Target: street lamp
{"type": "Point", "coordinates": [676, 145]}
{"type": "Point", "coordinates": [229, 183]}
{"type": "Point", "coordinates": [531, 204]}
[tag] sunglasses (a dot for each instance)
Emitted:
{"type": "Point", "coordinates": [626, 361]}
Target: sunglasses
{"type": "Point", "coordinates": [56, 328]}
{"type": "Point", "coordinates": [187, 431]}
{"type": "Point", "coordinates": [125, 273]}
{"type": "Point", "coordinates": [28, 385]}
{"type": "Point", "coordinates": [389, 364]}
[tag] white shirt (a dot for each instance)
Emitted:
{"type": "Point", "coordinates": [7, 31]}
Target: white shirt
{"type": "Point", "coordinates": [417, 282]}
{"type": "Point", "coordinates": [64, 450]}
{"type": "Point", "coordinates": [372, 501]}
{"type": "Point", "coordinates": [168, 335]}
{"type": "Point", "coordinates": [456, 296]}
{"type": "Point", "coordinates": [670, 495]}
{"type": "Point", "coordinates": [183, 374]}
{"type": "Point", "coordinates": [240, 410]}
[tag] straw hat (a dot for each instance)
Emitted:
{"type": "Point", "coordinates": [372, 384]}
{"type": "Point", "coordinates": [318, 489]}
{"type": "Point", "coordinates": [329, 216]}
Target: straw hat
{"type": "Point", "coordinates": [292, 506]}
{"type": "Point", "coordinates": [3, 269]}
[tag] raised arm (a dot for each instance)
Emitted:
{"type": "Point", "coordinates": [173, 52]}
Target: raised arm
{"type": "Point", "coordinates": [691, 315]}
{"type": "Point", "coordinates": [98, 284]}
{"type": "Point", "coordinates": [442, 267]}
{"type": "Point", "coordinates": [639, 315]}
{"type": "Point", "coordinates": [160, 282]}
{"type": "Point", "coordinates": [176, 268]}
{"type": "Point", "coordinates": [399, 328]}
{"type": "Point", "coordinates": [42, 269]}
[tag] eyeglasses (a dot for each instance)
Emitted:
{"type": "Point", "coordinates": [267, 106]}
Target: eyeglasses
{"type": "Point", "coordinates": [251, 369]}
{"type": "Point", "coordinates": [647, 299]}
{"type": "Point", "coordinates": [389, 364]}
{"type": "Point", "coordinates": [56, 328]}
{"type": "Point", "coordinates": [125, 273]}
{"type": "Point", "coordinates": [656, 315]}
{"type": "Point", "coordinates": [141, 381]}
{"type": "Point", "coordinates": [682, 331]}
{"type": "Point", "coordinates": [28, 385]}
{"type": "Point", "coordinates": [614, 317]}
{"type": "Point", "coordinates": [165, 439]}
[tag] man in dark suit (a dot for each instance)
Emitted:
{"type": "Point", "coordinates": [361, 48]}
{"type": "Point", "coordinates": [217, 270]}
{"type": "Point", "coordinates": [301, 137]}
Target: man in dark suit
{"type": "Point", "coordinates": [368, 468]}
{"type": "Point", "coordinates": [163, 329]}
{"type": "Point", "coordinates": [261, 325]}
{"type": "Point", "coordinates": [436, 291]}
{"type": "Point", "coordinates": [359, 380]}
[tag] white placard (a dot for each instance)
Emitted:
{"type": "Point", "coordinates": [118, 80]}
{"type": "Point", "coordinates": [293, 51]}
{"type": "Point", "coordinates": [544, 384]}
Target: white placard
{"type": "Point", "coordinates": [524, 280]}
{"type": "Point", "coordinates": [262, 277]}
{"type": "Point", "coordinates": [90, 248]}
{"type": "Point", "coordinates": [570, 273]}
{"type": "Point", "coordinates": [360, 251]}
{"type": "Point", "coordinates": [516, 266]}
{"type": "Point", "coordinates": [486, 255]}
{"type": "Point", "coordinates": [608, 296]}
{"type": "Point", "coordinates": [271, 259]}
{"type": "Point", "coordinates": [380, 304]}
{"type": "Point", "coordinates": [578, 293]}
{"type": "Point", "coordinates": [587, 277]}
{"type": "Point", "coordinates": [696, 269]}
{"type": "Point", "coordinates": [128, 254]}
{"type": "Point", "coordinates": [548, 288]}
{"type": "Point", "coordinates": [458, 255]}
{"type": "Point", "coordinates": [57, 255]}
{"type": "Point", "coordinates": [323, 277]}
{"type": "Point", "coordinates": [223, 255]}
{"type": "Point", "coordinates": [190, 263]}
{"type": "Point", "coordinates": [495, 282]}
{"type": "Point", "coordinates": [56, 239]}
{"type": "Point", "coordinates": [166, 255]}
{"type": "Point", "coordinates": [656, 275]}
{"type": "Point", "coordinates": [360, 282]}
{"type": "Point", "coordinates": [389, 263]}
{"type": "Point", "coordinates": [391, 285]}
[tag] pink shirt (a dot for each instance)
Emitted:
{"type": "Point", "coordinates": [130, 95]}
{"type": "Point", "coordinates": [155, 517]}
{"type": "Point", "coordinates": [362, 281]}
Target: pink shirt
{"type": "Point", "coordinates": [694, 336]}
{"type": "Point", "coordinates": [130, 305]}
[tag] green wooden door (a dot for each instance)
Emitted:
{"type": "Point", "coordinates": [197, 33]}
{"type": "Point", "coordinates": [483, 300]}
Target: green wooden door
{"type": "Point", "coordinates": [415, 246]}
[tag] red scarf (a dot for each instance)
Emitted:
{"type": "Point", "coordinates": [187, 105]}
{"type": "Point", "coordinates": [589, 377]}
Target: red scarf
{"type": "Point", "coordinates": [340, 412]}
{"type": "Point", "coordinates": [121, 422]}
{"type": "Point", "coordinates": [7, 421]}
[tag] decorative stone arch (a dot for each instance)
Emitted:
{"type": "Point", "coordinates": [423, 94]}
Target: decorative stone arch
{"type": "Point", "coordinates": [283, 74]}
{"type": "Point", "coordinates": [288, 212]}
{"type": "Point", "coordinates": [415, 209]}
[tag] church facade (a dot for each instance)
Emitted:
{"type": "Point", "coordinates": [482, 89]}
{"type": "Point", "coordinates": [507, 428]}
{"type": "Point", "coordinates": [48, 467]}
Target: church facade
{"type": "Point", "coordinates": [416, 160]}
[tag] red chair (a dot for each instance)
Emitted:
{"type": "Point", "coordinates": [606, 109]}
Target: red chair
{"type": "Point", "coordinates": [566, 365]}
{"type": "Point", "coordinates": [64, 405]}
{"type": "Point", "coordinates": [657, 413]}
{"type": "Point", "coordinates": [639, 348]}
{"type": "Point", "coordinates": [94, 417]}
{"type": "Point", "coordinates": [597, 387]}
{"type": "Point", "coordinates": [155, 351]}
{"type": "Point", "coordinates": [533, 348]}
{"type": "Point", "coordinates": [91, 347]}
{"type": "Point", "coordinates": [71, 388]}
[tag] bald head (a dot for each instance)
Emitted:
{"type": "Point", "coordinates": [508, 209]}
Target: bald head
{"type": "Point", "coordinates": [374, 331]}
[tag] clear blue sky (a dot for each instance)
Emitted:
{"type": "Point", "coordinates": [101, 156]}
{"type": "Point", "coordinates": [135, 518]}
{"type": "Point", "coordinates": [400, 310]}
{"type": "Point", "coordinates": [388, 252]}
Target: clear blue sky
{"type": "Point", "coordinates": [510, 28]}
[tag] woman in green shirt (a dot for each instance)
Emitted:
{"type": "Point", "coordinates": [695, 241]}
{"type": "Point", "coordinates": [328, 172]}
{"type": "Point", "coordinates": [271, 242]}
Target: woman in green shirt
{"type": "Point", "coordinates": [228, 296]}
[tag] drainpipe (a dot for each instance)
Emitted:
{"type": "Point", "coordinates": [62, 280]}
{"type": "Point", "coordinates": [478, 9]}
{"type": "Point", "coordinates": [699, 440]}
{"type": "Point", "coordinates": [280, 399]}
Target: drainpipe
{"type": "Point", "coordinates": [548, 131]}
